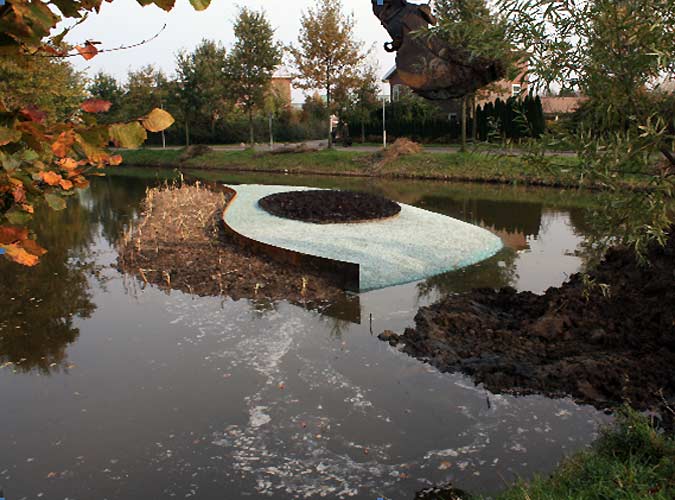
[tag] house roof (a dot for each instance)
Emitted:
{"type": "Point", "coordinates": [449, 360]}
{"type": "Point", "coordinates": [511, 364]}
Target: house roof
{"type": "Point", "coordinates": [561, 105]}
{"type": "Point", "coordinates": [389, 74]}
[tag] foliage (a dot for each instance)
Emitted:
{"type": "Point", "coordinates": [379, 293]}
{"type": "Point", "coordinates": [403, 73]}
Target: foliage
{"type": "Point", "coordinates": [200, 86]}
{"type": "Point", "coordinates": [362, 101]}
{"type": "Point", "coordinates": [616, 53]}
{"type": "Point", "coordinates": [327, 56]}
{"type": "Point", "coordinates": [254, 58]}
{"type": "Point", "coordinates": [105, 87]}
{"type": "Point", "coordinates": [514, 118]}
{"type": "Point", "coordinates": [47, 144]}
{"type": "Point", "coordinates": [631, 461]}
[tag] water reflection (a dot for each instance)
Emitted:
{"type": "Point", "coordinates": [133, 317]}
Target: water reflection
{"type": "Point", "coordinates": [176, 395]}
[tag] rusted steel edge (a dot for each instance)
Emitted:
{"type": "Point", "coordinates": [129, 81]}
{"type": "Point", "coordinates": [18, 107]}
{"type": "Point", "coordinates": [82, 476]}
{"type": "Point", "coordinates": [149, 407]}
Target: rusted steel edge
{"type": "Point", "coordinates": [344, 274]}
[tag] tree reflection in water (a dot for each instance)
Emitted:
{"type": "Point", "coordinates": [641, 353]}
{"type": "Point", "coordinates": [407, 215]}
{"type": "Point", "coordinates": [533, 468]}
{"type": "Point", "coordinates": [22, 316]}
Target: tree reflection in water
{"type": "Point", "coordinates": [41, 305]}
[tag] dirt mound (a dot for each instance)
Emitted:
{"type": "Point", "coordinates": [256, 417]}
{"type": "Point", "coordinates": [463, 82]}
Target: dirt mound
{"type": "Point", "coordinates": [604, 339]}
{"type": "Point", "coordinates": [179, 243]}
{"type": "Point", "coordinates": [329, 206]}
{"type": "Point", "coordinates": [401, 147]}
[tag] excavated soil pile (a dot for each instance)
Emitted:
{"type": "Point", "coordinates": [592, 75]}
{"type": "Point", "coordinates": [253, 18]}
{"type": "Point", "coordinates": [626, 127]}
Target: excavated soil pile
{"type": "Point", "coordinates": [328, 206]}
{"type": "Point", "coordinates": [179, 243]}
{"type": "Point", "coordinates": [606, 343]}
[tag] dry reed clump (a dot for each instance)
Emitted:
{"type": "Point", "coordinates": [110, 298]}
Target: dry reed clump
{"type": "Point", "coordinates": [401, 147]}
{"type": "Point", "coordinates": [178, 243]}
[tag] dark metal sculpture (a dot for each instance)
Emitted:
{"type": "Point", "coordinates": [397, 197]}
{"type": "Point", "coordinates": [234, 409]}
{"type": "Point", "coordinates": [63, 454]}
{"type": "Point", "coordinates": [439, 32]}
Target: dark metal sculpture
{"type": "Point", "coordinates": [425, 63]}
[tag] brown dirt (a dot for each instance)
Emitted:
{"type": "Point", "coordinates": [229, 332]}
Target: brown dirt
{"type": "Point", "coordinates": [179, 243]}
{"type": "Point", "coordinates": [401, 147]}
{"type": "Point", "coordinates": [605, 339]}
{"type": "Point", "coordinates": [327, 206]}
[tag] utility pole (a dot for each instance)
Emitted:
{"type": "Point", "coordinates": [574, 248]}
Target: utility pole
{"type": "Point", "coordinates": [384, 122]}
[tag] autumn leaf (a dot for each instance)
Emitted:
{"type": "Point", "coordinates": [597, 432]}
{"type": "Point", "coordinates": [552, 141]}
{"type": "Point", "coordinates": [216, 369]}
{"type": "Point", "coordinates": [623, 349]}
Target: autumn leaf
{"type": "Point", "coordinates": [115, 160]}
{"type": "Point", "coordinates": [51, 178]}
{"type": "Point", "coordinates": [80, 182]}
{"type": "Point", "coordinates": [166, 5]}
{"type": "Point", "coordinates": [32, 247]}
{"type": "Point", "coordinates": [157, 120]}
{"type": "Point", "coordinates": [128, 135]}
{"type": "Point", "coordinates": [55, 202]}
{"type": "Point", "coordinates": [65, 184]}
{"type": "Point", "coordinates": [8, 135]}
{"type": "Point", "coordinates": [19, 255]}
{"type": "Point", "coordinates": [10, 234]}
{"type": "Point", "coordinates": [96, 106]}
{"type": "Point", "coordinates": [33, 114]}
{"type": "Point", "coordinates": [89, 50]}
{"type": "Point", "coordinates": [200, 4]}
{"type": "Point", "coordinates": [67, 164]}
{"type": "Point", "coordinates": [63, 143]}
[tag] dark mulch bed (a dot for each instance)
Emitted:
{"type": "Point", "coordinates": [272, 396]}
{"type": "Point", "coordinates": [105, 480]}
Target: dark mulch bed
{"type": "Point", "coordinates": [605, 343]}
{"type": "Point", "coordinates": [329, 206]}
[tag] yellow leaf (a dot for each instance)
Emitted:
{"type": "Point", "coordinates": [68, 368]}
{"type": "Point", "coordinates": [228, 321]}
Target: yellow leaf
{"type": "Point", "coordinates": [20, 256]}
{"type": "Point", "coordinates": [157, 120]}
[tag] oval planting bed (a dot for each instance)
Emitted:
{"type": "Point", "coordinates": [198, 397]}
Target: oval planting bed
{"type": "Point", "coordinates": [328, 206]}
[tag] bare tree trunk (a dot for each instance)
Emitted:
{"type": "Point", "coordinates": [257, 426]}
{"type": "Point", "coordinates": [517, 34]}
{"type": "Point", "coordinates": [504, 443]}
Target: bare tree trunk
{"type": "Point", "coordinates": [474, 121]}
{"type": "Point", "coordinates": [463, 144]}
{"type": "Point", "coordinates": [250, 129]}
{"type": "Point", "coordinates": [363, 133]}
{"type": "Point", "coordinates": [330, 118]}
{"type": "Point", "coordinates": [187, 133]}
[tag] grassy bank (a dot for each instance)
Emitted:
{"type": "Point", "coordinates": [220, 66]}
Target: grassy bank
{"type": "Point", "coordinates": [632, 461]}
{"type": "Point", "coordinates": [472, 166]}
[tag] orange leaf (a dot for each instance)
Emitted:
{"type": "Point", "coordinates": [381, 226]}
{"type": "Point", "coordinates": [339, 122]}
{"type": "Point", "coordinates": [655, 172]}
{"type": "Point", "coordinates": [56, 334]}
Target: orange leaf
{"type": "Point", "coordinates": [62, 145]}
{"type": "Point", "coordinates": [80, 182]}
{"type": "Point", "coordinates": [27, 208]}
{"type": "Point", "coordinates": [51, 178]}
{"type": "Point", "coordinates": [65, 184]}
{"type": "Point", "coordinates": [20, 256]}
{"type": "Point", "coordinates": [116, 160]}
{"type": "Point", "coordinates": [19, 194]}
{"type": "Point", "coordinates": [89, 50]}
{"type": "Point", "coordinates": [11, 234]}
{"type": "Point", "coordinates": [32, 247]}
{"type": "Point", "coordinates": [96, 106]}
{"type": "Point", "coordinates": [67, 164]}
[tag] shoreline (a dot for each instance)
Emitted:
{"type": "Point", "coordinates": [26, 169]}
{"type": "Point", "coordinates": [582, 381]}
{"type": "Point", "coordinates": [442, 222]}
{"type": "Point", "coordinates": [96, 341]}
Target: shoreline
{"type": "Point", "coordinates": [479, 168]}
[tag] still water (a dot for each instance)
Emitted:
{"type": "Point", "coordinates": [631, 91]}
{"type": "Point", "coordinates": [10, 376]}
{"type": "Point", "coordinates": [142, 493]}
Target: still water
{"type": "Point", "coordinates": [109, 390]}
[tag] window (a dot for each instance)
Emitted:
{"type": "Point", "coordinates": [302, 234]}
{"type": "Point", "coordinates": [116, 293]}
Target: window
{"type": "Point", "coordinates": [516, 89]}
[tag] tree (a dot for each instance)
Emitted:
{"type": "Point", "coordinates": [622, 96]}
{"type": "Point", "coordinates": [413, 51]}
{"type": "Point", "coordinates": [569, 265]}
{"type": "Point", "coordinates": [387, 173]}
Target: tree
{"type": "Point", "coordinates": [327, 56]}
{"type": "Point", "coordinates": [362, 100]}
{"type": "Point", "coordinates": [202, 85]}
{"type": "Point", "coordinates": [51, 85]}
{"type": "Point", "coordinates": [106, 87]}
{"type": "Point", "coordinates": [471, 26]}
{"type": "Point", "coordinates": [615, 52]}
{"type": "Point", "coordinates": [254, 58]}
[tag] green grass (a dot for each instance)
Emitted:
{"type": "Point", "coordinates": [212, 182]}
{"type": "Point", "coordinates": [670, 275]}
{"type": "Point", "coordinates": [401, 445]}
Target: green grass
{"type": "Point", "coordinates": [470, 166]}
{"type": "Point", "coordinates": [631, 461]}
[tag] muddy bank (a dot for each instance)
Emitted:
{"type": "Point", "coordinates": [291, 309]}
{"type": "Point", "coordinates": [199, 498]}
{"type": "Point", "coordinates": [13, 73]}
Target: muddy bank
{"type": "Point", "coordinates": [605, 340]}
{"type": "Point", "coordinates": [178, 243]}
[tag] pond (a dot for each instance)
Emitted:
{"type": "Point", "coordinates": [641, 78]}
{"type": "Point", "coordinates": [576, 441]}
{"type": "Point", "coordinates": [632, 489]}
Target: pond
{"type": "Point", "coordinates": [111, 389]}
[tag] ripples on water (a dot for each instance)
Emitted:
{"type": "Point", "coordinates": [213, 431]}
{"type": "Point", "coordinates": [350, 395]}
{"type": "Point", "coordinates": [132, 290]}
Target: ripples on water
{"type": "Point", "coordinates": [110, 390]}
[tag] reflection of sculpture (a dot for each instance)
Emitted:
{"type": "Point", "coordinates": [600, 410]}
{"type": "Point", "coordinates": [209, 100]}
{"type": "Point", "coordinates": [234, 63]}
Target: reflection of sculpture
{"type": "Point", "coordinates": [425, 63]}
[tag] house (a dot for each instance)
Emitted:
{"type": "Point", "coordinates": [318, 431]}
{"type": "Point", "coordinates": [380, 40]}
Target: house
{"type": "Point", "coordinates": [282, 83]}
{"type": "Point", "coordinates": [554, 107]}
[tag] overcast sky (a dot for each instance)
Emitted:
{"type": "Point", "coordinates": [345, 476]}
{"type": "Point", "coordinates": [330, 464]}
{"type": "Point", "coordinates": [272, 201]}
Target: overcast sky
{"type": "Point", "coordinates": [126, 22]}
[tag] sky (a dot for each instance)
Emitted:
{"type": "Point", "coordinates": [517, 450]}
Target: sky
{"type": "Point", "coordinates": [124, 22]}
